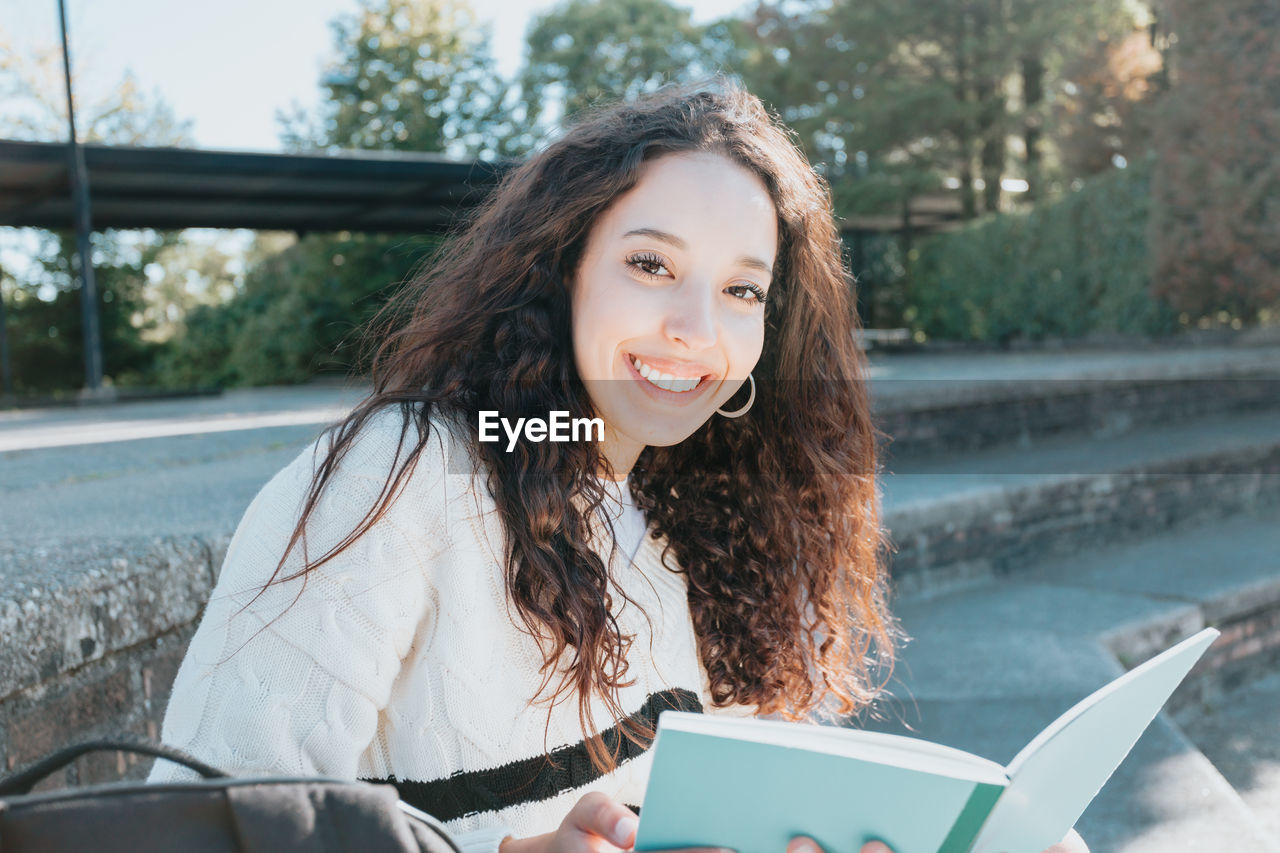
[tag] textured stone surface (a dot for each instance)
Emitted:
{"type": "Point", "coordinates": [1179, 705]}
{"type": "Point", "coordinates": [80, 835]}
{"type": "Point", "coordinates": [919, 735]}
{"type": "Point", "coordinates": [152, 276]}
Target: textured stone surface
{"type": "Point", "coordinates": [124, 693]}
{"type": "Point", "coordinates": [923, 416]}
{"type": "Point", "coordinates": [65, 604]}
{"type": "Point", "coordinates": [949, 516]}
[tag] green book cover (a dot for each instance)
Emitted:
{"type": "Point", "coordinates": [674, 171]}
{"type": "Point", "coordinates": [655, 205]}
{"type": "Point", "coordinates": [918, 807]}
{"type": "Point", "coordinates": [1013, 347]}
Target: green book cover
{"type": "Point", "coordinates": [752, 785]}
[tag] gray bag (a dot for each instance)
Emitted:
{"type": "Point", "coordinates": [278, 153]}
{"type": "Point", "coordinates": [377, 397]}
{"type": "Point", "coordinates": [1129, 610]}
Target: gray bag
{"type": "Point", "coordinates": [215, 814]}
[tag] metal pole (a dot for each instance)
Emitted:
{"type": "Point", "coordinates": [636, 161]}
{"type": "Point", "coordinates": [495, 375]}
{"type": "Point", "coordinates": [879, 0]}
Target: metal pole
{"type": "Point", "coordinates": [4, 347]}
{"type": "Point", "coordinates": [80, 198]}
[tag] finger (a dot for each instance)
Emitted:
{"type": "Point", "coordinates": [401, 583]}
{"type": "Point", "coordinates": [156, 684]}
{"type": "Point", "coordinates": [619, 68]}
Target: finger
{"type": "Point", "coordinates": [1073, 843]}
{"type": "Point", "coordinates": [599, 815]}
{"type": "Point", "coordinates": [876, 847]}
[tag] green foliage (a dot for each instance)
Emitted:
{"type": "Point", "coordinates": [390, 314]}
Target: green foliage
{"type": "Point", "coordinates": [46, 337]}
{"type": "Point", "coordinates": [409, 75]}
{"type": "Point", "coordinates": [1071, 268]}
{"type": "Point", "coordinates": [585, 51]}
{"type": "Point", "coordinates": [300, 313]}
{"type": "Point", "coordinates": [892, 98]}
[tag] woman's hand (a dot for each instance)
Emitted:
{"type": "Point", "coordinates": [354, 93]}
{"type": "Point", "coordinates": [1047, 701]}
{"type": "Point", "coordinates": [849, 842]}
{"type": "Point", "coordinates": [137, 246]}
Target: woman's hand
{"type": "Point", "coordinates": [596, 824]}
{"type": "Point", "coordinates": [1073, 843]}
{"type": "Point", "coordinates": [808, 845]}
{"type": "Point", "coordinates": [600, 824]}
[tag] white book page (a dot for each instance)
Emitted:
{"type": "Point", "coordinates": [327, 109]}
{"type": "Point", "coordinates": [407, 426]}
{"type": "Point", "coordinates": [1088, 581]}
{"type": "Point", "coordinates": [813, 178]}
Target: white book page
{"type": "Point", "coordinates": [893, 750]}
{"type": "Point", "coordinates": [1057, 775]}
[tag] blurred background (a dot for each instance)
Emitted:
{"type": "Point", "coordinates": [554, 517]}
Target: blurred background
{"type": "Point", "coordinates": [1005, 172]}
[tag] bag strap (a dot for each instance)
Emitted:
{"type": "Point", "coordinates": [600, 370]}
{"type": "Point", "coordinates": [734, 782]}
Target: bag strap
{"type": "Point", "coordinates": [24, 780]}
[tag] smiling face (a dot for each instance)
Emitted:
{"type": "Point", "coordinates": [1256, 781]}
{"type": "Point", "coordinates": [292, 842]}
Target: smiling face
{"type": "Point", "coordinates": [668, 311]}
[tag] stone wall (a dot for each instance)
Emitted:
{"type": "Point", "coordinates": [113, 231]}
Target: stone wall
{"type": "Point", "coordinates": [91, 636]}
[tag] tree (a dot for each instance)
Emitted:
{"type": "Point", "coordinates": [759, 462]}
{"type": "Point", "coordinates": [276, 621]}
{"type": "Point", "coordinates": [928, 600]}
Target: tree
{"type": "Point", "coordinates": [46, 328]}
{"type": "Point", "coordinates": [897, 97]}
{"type": "Point", "coordinates": [1215, 228]}
{"type": "Point", "coordinates": [1103, 107]}
{"type": "Point", "coordinates": [408, 75]}
{"type": "Point", "coordinates": [587, 51]}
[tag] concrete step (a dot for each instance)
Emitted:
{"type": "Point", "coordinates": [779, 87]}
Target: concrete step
{"type": "Point", "coordinates": [964, 518]}
{"type": "Point", "coordinates": [993, 664]}
{"type": "Point", "coordinates": [1239, 731]}
{"type": "Point", "coordinates": [938, 405]}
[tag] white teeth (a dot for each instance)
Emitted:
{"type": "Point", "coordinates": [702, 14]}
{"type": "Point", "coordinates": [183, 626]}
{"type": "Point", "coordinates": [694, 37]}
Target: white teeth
{"type": "Point", "coordinates": [665, 381]}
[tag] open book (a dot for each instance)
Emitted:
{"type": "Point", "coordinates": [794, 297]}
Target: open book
{"type": "Point", "coordinates": [754, 784]}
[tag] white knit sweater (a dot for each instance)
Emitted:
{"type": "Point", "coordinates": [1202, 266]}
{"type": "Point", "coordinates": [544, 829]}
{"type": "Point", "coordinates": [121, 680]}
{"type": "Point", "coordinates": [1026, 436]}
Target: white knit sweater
{"type": "Point", "coordinates": [401, 660]}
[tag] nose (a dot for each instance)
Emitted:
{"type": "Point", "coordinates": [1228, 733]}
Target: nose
{"type": "Point", "coordinates": [691, 317]}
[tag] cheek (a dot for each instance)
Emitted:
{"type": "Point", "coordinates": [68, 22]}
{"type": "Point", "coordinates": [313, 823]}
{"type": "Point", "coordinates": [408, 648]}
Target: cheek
{"type": "Point", "coordinates": [613, 309]}
{"type": "Point", "coordinates": [746, 342]}
{"type": "Point", "coordinates": [604, 313]}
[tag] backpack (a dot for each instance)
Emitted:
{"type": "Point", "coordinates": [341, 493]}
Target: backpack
{"type": "Point", "coordinates": [217, 813]}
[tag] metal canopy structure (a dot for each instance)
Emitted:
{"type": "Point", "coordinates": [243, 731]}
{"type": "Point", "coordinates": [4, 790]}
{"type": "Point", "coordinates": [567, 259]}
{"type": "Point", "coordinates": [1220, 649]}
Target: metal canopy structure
{"type": "Point", "coordinates": [169, 188]}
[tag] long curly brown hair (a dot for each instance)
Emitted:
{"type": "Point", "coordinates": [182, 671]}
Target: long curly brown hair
{"type": "Point", "coordinates": [773, 516]}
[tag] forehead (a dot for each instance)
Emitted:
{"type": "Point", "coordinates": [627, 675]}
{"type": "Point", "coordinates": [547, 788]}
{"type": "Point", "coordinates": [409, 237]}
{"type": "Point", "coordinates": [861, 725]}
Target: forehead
{"type": "Point", "coordinates": [700, 197]}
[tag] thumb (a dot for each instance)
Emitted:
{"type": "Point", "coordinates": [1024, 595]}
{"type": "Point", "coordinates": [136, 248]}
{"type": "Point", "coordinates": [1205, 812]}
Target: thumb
{"type": "Point", "coordinates": [599, 815]}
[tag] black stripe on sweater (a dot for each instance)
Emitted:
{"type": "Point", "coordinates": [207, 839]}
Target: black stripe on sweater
{"type": "Point", "coordinates": [534, 779]}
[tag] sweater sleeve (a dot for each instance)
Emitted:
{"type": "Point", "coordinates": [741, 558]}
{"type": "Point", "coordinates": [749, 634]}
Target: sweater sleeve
{"type": "Point", "coordinates": [291, 681]}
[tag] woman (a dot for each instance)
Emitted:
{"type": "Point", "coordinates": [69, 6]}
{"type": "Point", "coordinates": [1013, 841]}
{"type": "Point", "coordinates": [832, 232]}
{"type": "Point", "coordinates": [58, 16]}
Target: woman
{"type": "Point", "coordinates": [494, 625]}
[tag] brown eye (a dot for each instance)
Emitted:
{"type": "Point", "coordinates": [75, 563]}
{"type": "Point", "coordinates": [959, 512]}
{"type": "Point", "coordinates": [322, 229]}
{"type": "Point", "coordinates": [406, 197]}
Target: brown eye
{"type": "Point", "coordinates": [650, 266]}
{"type": "Point", "coordinates": [747, 292]}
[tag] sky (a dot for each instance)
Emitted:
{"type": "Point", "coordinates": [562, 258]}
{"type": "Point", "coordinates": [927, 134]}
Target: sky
{"type": "Point", "coordinates": [229, 66]}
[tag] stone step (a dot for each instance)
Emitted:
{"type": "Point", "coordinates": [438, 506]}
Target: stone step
{"type": "Point", "coordinates": [992, 665]}
{"type": "Point", "coordinates": [934, 405]}
{"type": "Point", "coordinates": [963, 518]}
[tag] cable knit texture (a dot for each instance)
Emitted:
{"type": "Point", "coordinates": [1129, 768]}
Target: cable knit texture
{"type": "Point", "coordinates": [401, 659]}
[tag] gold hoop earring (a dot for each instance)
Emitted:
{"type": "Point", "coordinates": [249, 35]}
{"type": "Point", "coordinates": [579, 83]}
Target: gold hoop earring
{"type": "Point", "coordinates": [740, 412]}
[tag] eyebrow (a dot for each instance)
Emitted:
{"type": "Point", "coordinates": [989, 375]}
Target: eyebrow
{"type": "Point", "coordinates": [665, 237]}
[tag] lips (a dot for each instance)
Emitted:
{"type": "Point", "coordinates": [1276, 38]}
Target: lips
{"type": "Point", "coordinates": [653, 385]}
{"type": "Point", "coordinates": [674, 377]}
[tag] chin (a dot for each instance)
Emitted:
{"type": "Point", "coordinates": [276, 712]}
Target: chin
{"type": "Point", "coordinates": [667, 435]}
